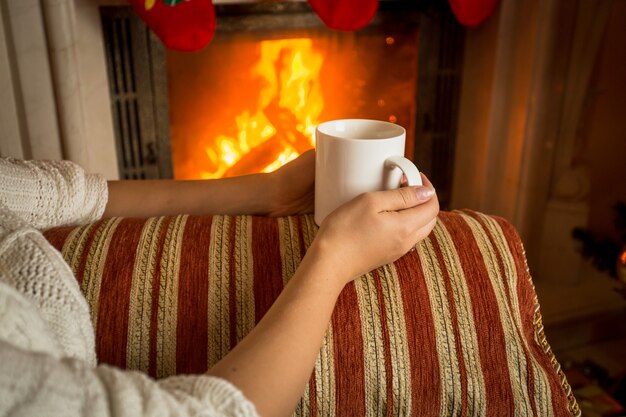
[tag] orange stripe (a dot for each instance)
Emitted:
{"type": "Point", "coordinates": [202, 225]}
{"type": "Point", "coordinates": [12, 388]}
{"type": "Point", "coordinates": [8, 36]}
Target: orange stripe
{"type": "Point", "coordinates": [117, 276]}
{"type": "Point", "coordinates": [267, 265]}
{"type": "Point", "coordinates": [386, 343]}
{"type": "Point", "coordinates": [527, 297]}
{"type": "Point", "coordinates": [192, 331]}
{"type": "Point", "coordinates": [492, 349]}
{"type": "Point", "coordinates": [455, 322]}
{"type": "Point", "coordinates": [58, 235]}
{"type": "Point", "coordinates": [154, 317]}
{"type": "Point", "coordinates": [348, 352]}
{"type": "Point", "coordinates": [424, 361]}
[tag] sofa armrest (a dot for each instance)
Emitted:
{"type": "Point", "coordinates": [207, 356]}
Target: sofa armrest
{"type": "Point", "coordinates": [452, 328]}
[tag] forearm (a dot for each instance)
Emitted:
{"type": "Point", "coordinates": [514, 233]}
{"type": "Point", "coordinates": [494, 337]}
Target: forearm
{"type": "Point", "coordinates": [274, 362]}
{"type": "Point", "coordinates": [250, 194]}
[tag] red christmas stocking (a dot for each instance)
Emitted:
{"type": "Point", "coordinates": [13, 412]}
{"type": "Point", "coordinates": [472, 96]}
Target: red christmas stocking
{"type": "Point", "coordinates": [472, 12]}
{"type": "Point", "coordinates": [183, 25]}
{"type": "Point", "coordinates": [345, 14]}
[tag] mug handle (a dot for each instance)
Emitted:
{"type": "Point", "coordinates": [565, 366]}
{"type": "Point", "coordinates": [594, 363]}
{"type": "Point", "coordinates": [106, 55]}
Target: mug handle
{"type": "Point", "coordinates": [410, 170]}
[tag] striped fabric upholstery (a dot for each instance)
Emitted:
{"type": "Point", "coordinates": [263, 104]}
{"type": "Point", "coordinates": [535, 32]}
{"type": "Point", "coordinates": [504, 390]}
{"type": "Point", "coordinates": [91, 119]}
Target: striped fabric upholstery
{"type": "Point", "coordinates": [451, 329]}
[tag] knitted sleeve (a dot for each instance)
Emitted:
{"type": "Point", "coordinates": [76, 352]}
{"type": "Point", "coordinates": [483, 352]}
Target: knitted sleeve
{"type": "Point", "coordinates": [51, 193]}
{"type": "Point", "coordinates": [38, 384]}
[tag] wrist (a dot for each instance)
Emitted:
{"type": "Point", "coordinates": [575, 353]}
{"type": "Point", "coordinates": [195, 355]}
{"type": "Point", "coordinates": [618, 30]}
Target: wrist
{"type": "Point", "coordinates": [329, 261]}
{"type": "Point", "coordinates": [260, 191]}
{"type": "Point", "coordinates": [275, 189]}
{"type": "Point", "coordinates": [272, 191]}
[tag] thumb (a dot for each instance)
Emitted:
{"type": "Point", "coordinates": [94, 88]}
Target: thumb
{"type": "Point", "coordinates": [403, 198]}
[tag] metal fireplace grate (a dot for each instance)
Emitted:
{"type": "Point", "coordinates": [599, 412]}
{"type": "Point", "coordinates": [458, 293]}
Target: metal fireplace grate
{"type": "Point", "coordinates": [438, 90]}
{"type": "Point", "coordinates": [138, 96]}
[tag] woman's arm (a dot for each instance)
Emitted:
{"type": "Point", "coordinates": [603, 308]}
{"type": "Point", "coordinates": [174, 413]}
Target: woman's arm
{"type": "Point", "coordinates": [286, 191]}
{"type": "Point", "coordinates": [274, 362]}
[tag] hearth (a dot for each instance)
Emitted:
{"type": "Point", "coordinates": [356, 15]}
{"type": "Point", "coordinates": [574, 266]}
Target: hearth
{"type": "Point", "coordinates": [250, 101]}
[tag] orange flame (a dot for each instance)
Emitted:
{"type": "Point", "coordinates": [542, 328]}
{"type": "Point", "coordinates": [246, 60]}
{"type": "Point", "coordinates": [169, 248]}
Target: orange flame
{"type": "Point", "coordinates": [283, 125]}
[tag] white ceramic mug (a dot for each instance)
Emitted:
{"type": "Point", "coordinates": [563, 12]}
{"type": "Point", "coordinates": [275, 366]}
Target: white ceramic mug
{"type": "Point", "coordinates": [354, 156]}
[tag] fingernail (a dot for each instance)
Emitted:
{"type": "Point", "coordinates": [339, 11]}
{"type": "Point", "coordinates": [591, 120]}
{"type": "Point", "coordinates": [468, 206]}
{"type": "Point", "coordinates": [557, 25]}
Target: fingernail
{"type": "Point", "coordinates": [424, 193]}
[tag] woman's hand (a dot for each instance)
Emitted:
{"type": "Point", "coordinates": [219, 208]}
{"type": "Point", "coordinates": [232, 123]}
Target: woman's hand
{"type": "Point", "coordinates": [294, 187]}
{"type": "Point", "coordinates": [376, 228]}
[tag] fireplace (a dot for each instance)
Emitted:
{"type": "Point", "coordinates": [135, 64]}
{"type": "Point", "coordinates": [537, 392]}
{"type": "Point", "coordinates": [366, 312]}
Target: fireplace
{"type": "Point", "coordinates": [250, 101]}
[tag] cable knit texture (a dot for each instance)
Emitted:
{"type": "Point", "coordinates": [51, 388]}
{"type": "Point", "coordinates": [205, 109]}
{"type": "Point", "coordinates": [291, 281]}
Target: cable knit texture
{"type": "Point", "coordinates": [46, 337]}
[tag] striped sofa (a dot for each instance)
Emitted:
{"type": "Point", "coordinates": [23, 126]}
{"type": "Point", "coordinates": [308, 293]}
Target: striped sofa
{"type": "Point", "coordinates": [450, 329]}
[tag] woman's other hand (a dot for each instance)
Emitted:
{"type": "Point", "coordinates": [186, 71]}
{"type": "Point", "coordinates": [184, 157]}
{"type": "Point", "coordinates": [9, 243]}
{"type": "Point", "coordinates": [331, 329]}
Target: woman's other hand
{"type": "Point", "coordinates": [294, 187]}
{"type": "Point", "coordinates": [377, 228]}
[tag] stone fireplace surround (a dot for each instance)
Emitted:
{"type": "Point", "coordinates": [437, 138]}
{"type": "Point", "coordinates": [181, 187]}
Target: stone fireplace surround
{"type": "Point", "coordinates": [525, 61]}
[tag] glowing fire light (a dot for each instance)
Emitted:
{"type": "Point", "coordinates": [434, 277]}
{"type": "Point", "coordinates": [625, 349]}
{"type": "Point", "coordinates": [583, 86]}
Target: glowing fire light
{"type": "Point", "coordinates": [283, 125]}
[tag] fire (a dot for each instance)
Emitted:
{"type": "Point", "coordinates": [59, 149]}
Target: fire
{"type": "Point", "coordinates": [283, 124]}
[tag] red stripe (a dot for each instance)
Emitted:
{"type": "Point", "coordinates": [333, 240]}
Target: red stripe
{"type": "Point", "coordinates": [455, 322]}
{"type": "Point", "coordinates": [421, 341]}
{"type": "Point", "coordinates": [491, 344]}
{"type": "Point", "coordinates": [80, 271]}
{"type": "Point", "coordinates": [526, 295]}
{"type": "Point", "coordinates": [192, 330]}
{"type": "Point", "coordinates": [117, 277]}
{"type": "Point", "coordinates": [154, 318]}
{"type": "Point", "coordinates": [348, 354]}
{"type": "Point", "coordinates": [58, 235]}
{"type": "Point", "coordinates": [268, 281]}
{"type": "Point", "coordinates": [232, 282]}
{"type": "Point", "coordinates": [386, 342]}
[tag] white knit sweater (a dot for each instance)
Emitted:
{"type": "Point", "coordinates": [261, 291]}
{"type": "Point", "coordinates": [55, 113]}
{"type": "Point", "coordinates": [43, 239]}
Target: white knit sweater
{"type": "Point", "coordinates": [47, 357]}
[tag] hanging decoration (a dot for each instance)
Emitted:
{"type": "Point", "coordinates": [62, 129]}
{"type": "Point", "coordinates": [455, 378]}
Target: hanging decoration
{"type": "Point", "coordinates": [346, 15]}
{"type": "Point", "coordinates": [472, 13]}
{"type": "Point", "coordinates": [182, 25]}
{"type": "Point", "coordinates": [189, 25]}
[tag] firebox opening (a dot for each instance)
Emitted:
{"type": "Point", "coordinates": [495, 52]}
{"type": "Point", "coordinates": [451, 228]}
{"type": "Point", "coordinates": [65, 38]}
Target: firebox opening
{"type": "Point", "coordinates": [251, 100]}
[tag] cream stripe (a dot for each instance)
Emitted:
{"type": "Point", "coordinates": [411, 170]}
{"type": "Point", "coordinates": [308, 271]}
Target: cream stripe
{"type": "Point", "coordinates": [325, 363]}
{"type": "Point", "coordinates": [516, 360]}
{"type": "Point", "coordinates": [373, 349]}
{"type": "Point", "coordinates": [325, 377]}
{"type": "Point", "coordinates": [541, 385]}
{"type": "Point", "coordinates": [75, 245]}
{"type": "Point", "coordinates": [303, 409]}
{"type": "Point", "coordinates": [168, 298]}
{"type": "Point", "coordinates": [140, 308]}
{"type": "Point", "coordinates": [444, 333]}
{"type": "Point", "coordinates": [244, 276]}
{"type": "Point", "coordinates": [290, 259]}
{"type": "Point", "coordinates": [96, 258]}
{"type": "Point", "coordinates": [543, 393]}
{"type": "Point", "coordinates": [400, 359]}
{"type": "Point", "coordinates": [509, 266]}
{"type": "Point", "coordinates": [309, 229]}
{"type": "Point", "coordinates": [218, 297]}
{"type": "Point", "coordinates": [289, 248]}
{"type": "Point", "coordinates": [476, 392]}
